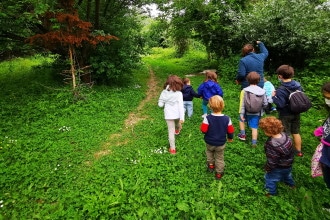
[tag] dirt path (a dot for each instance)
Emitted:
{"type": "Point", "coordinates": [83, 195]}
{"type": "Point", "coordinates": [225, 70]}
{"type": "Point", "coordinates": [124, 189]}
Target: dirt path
{"type": "Point", "coordinates": [133, 118]}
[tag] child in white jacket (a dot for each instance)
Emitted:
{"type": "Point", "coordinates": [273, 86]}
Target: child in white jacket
{"type": "Point", "coordinates": [172, 101]}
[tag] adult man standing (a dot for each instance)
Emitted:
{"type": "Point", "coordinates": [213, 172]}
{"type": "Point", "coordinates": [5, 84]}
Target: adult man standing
{"type": "Point", "coordinates": [251, 62]}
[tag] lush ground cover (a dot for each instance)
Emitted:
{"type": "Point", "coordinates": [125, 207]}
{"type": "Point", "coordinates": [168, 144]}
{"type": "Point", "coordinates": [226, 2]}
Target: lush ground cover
{"type": "Point", "coordinates": [61, 159]}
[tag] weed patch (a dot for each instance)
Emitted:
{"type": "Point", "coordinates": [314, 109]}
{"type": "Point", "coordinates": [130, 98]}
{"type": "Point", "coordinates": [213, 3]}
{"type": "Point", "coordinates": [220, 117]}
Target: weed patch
{"type": "Point", "coordinates": [106, 157]}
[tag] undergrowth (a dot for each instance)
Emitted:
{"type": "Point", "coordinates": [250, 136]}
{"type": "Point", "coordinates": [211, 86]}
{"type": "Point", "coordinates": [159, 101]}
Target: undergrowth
{"type": "Point", "coordinates": [78, 160]}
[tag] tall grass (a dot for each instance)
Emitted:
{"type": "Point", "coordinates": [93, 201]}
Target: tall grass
{"type": "Point", "coordinates": [79, 160]}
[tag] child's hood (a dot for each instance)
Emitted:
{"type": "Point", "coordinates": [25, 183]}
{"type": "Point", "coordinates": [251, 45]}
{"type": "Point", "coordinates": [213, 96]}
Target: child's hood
{"type": "Point", "coordinates": [210, 84]}
{"type": "Point", "coordinates": [292, 85]}
{"type": "Point", "coordinates": [186, 88]}
{"type": "Point", "coordinates": [255, 90]}
{"type": "Point", "coordinates": [169, 96]}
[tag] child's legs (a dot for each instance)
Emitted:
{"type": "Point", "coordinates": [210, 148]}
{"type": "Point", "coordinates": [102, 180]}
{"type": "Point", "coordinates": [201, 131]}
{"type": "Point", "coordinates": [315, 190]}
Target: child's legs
{"type": "Point", "coordinates": [219, 159]}
{"type": "Point", "coordinates": [204, 106]}
{"type": "Point", "coordinates": [326, 174]}
{"type": "Point", "coordinates": [241, 124]}
{"type": "Point", "coordinates": [254, 133]}
{"type": "Point", "coordinates": [210, 154]}
{"type": "Point", "coordinates": [185, 104]}
{"type": "Point", "coordinates": [287, 177]}
{"type": "Point", "coordinates": [297, 141]}
{"type": "Point", "coordinates": [291, 125]}
{"type": "Point", "coordinates": [171, 130]}
{"type": "Point", "coordinates": [178, 125]}
{"type": "Point", "coordinates": [295, 131]}
{"type": "Point", "coordinates": [271, 179]}
{"type": "Point", "coordinates": [190, 108]}
{"type": "Point", "coordinates": [253, 121]}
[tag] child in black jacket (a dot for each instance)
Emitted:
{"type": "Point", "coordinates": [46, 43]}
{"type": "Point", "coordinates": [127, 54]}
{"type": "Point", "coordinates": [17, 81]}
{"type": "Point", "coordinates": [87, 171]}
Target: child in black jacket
{"type": "Point", "coordinates": [188, 94]}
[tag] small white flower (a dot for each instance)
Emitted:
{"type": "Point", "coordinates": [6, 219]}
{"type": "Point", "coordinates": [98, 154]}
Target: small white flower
{"type": "Point", "coordinates": [1, 201]}
{"type": "Point", "coordinates": [55, 168]}
{"type": "Point", "coordinates": [1, 206]}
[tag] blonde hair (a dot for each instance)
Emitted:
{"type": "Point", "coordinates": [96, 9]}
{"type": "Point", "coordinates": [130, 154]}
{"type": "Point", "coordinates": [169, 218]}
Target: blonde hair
{"type": "Point", "coordinates": [216, 103]}
{"type": "Point", "coordinates": [271, 125]}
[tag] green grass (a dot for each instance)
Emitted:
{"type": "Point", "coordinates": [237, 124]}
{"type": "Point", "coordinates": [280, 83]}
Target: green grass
{"type": "Point", "coordinates": [61, 159]}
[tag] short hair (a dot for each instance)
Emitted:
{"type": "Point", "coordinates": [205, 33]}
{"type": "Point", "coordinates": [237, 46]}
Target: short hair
{"type": "Point", "coordinates": [174, 83]}
{"type": "Point", "coordinates": [216, 103]}
{"type": "Point", "coordinates": [326, 87]}
{"type": "Point", "coordinates": [286, 71]}
{"type": "Point", "coordinates": [253, 78]}
{"type": "Point", "coordinates": [247, 48]}
{"type": "Point", "coordinates": [185, 80]}
{"type": "Point", "coordinates": [271, 125]}
{"type": "Point", "coordinates": [211, 75]}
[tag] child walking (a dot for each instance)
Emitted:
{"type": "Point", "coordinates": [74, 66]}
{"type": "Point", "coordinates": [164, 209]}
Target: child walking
{"type": "Point", "coordinates": [252, 118]}
{"type": "Point", "coordinates": [269, 88]}
{"type": "Point", "coordinates": [324, 133]}
{"type": "Point", "coordinates": [188, 95]}
{"type": "Point", "coordinates": [290, 120]}
{"type": "Point", "coordinates": [209, 88]}
{"type": "Point", "coordinates": [216, 127]}
{"type": "Point", "coordinates": [172, 101]}
{"type": "Point", "coordinates": [279, 155]}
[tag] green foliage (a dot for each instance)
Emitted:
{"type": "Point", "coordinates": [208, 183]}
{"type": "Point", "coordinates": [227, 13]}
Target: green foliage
{"type": "Point", "coordinates": [292, 30]}
{"type": "Point", "coordinates": [78, 160]}
{"type": "Point", "coordinates": [115, 63]}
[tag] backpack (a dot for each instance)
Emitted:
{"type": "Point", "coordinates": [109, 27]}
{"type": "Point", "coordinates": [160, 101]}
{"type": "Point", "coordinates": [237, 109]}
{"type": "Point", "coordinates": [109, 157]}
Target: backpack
{"type": "Point", "coordinates": [252, 102]}
{"type": "Point", "coordinates": [298, 101]}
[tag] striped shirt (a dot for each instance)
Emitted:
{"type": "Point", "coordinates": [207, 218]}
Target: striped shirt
{"type": "Point", "coordinates": [279, 152]}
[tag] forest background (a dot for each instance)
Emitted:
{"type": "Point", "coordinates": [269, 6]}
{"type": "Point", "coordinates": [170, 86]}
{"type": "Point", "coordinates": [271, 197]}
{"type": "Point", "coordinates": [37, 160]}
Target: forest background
{"type": "Point", "coordinates": [76, 151]}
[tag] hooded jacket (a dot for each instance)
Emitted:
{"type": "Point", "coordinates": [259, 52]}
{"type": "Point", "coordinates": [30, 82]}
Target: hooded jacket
{"type": "Point", "coordinates": [188, 93]}
{"type": "Point", "coordinates": [172, 103]}
{"type": "Point", "coordinates": [256, 90]}
{"type": "Point", "coordinates": [281, 99]}
{"type": "Point", "coordinates": [208, 89]}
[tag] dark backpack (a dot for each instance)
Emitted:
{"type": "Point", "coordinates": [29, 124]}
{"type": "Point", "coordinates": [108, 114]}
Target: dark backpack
{"type": "Point", "coordinates": [252, 102]}
{"type": "Point", "coordinates": [298, 101]}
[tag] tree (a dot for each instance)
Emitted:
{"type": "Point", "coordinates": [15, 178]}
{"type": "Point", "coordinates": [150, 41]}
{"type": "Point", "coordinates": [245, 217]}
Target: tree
{"type": "Point", "coordinates": [294, 30]}
{"type": "Point", "coordinates": [66, 29]}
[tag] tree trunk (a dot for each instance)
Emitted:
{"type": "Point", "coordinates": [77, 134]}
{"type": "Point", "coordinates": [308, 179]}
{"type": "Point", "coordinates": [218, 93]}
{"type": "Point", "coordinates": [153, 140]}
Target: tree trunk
{"type": "Point", "coordinates": [72, 70]}
{"type": "Point", "coordinates": [97, 14]}
{"type": "Point", "coordinates": [88, 10]}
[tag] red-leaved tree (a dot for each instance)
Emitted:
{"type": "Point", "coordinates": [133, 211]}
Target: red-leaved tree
{"type": "Point", "coordinates": [65, 29]}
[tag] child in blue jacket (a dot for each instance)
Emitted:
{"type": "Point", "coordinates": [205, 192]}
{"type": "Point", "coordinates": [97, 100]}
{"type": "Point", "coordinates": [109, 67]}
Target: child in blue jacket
{"type": "Point", "coordinates": [209, 88]}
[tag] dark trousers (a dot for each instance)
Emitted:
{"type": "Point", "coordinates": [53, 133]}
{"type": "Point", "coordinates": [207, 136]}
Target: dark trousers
{"type": "Point", "coordinates": [326, 174]}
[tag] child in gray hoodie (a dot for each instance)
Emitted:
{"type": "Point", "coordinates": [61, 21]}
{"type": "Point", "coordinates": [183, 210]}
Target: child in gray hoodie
{"type": "Point", "coordinates": [252, 119]}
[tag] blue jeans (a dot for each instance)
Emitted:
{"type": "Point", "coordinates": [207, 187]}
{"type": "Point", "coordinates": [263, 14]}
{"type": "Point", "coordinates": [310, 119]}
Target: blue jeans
{"type": "Point", "coordinates": [189, 107]}
{"type": "Point", "coordinates": [204, 106]}
{"type": "Point", "coordinates": [277, 175]}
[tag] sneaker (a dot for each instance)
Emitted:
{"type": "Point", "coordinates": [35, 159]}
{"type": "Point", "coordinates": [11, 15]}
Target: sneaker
{"type": "Point", "coordinates": [177, 132]}
{"type": "Point", "coordinates": [218, 176]}
{"type": "Point", "coordinates": [172, 151]}
{"type": "Point", "coordinates": [210, 168]}
{"type": "Point", "coordinates": [242, 137]}
{"type": "Point", "coordinates": [299, 154]}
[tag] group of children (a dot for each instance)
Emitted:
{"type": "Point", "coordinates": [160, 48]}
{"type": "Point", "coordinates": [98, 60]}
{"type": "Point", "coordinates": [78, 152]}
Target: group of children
{"type": "Point", "coordinates": [177, 96]}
